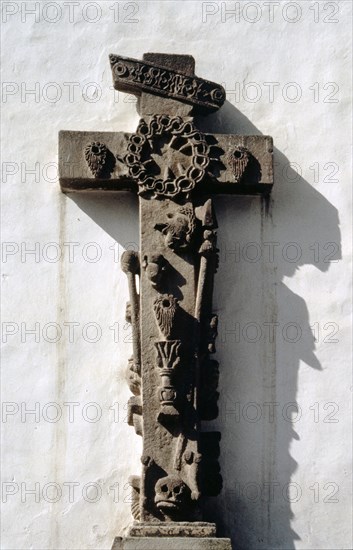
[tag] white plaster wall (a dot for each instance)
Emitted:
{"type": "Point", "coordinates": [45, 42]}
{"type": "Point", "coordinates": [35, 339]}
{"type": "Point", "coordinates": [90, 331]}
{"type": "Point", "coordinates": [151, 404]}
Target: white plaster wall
{"type": "Point", "coordinates": [287, 475]}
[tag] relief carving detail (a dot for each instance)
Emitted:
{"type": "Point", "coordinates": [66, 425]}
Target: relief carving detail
{"type": "Point", "coordinates": [167, 156]}
{"type": "Point", "coordinates": [100, 160]}
{"type": "Point", "coordinates": [135, 76]}
{"type": "Point", "coordinates": [175, 168]}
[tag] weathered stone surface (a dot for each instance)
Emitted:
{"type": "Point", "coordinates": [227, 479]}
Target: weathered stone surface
{"type": "Point", "coordinates": [172, 529]}
{"type": "Point", "coordinates": [175, 543]}
{"type": "Point", "coordinates": [175, 169]}
{"type": "Point", "coordinates": [149, 104]}
{"type": "Point", "coordinates": [158, 74]}
{"type": "Point", "coordinates": [74, 171]}
{"type": "Point", "coordinates": [76, 175]}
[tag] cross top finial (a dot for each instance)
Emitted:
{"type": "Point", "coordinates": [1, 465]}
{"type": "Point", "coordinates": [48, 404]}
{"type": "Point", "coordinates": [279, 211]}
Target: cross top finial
{"type": "Point", "coordinates": [169, 77]}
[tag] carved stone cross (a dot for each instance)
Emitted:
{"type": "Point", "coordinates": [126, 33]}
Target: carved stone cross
{"type": "Point", "coordinates": [175, 169]}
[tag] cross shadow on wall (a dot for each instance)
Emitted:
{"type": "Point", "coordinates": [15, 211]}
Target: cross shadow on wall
{"type": "Point", "coordinates": [264, 337]}
{"type": "Point", "coordinates": [256, 372]}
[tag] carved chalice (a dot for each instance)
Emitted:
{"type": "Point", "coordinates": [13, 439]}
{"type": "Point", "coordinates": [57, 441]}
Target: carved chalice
{"type": "Point", "coordinates": [168, 358]}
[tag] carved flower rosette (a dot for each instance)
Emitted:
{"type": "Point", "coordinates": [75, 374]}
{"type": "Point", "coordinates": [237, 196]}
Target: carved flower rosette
{"type": "Point", "coordinates": [167, 156]}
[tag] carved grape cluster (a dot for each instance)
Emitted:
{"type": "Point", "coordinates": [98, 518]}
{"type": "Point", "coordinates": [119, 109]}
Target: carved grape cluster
{"type": "Point", "coordinates": [165, 308]}
{"type": "Point", "coordinates": [239, 159]}
{"type": "Point", "coordinates": [95, 155]}
{"type": "Point", "coordinates": [178, 135]}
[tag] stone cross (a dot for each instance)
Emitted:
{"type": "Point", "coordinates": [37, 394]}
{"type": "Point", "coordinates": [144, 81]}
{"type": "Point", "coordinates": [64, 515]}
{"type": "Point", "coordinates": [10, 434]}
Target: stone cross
{"type": "Point", "coordinates": [175, 169]}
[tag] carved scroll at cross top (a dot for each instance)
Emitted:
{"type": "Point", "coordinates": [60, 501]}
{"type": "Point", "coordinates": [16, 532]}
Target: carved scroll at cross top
{"type": "Point", "coordinates": [134, 76]}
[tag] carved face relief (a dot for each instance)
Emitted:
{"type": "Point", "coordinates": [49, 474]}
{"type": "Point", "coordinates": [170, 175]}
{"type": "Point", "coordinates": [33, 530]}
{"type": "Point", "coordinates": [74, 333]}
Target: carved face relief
{"type": "Point", "coordinates": [178, 227]}
{"type": "Point", "coordinates": [172, 496]}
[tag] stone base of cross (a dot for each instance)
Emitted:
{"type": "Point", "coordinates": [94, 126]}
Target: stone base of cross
{"type": "Point", "coordinates": [175, 169]}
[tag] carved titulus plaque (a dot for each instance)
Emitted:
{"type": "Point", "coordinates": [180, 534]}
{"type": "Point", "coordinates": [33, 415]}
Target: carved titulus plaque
{"type": "Point", "coordinates": [172, 375]}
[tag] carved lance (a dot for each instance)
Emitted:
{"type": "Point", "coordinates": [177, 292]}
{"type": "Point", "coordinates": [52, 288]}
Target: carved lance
{"type": "Point", "coordinates": [207, 253]}
{"type": "Point", "coordinates": [130, 264]}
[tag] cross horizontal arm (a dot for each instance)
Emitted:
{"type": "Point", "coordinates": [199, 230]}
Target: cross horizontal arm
{"type": "Point", "coordinates": [245, 165]}
{"type": "Point", "coordinates": [76, 173]}
{"type": "Point", "coordinates": [95, 161]}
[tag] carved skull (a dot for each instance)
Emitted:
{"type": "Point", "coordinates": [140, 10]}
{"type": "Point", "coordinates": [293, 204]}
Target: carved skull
{"type": "Point", "coordinates": [172, 496]}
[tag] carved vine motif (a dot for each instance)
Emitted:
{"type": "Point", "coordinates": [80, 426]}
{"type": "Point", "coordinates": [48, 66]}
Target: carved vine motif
{"type": "Point", "coordinates": [99, 159]}
{"type": "Point", "coordinates": [171, 145]}
{"type": "Point", "coordinates": [165, 308]}
{"type": "Point", "coordinates": [239, 160]}
{"type": "Point", "coordinates": [136, 75]}
{"type": "Point", "coordinates": [179, 227]}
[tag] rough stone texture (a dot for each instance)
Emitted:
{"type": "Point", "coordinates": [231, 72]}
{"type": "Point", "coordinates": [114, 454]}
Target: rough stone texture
{"type": "Point", "coordinates": [76, 175]}
{"type": "Point", "coordinates": [148, 104]}
{"type": "Point", "coordinates": [75, 172]}
{"type": "Point", "coordinates": [175, 543]}
{"type": "Point", "coordinates": [171, 374]}
{"type": "Point", "coordinates": [172, 529]}
{"type": "Point", "coordinates": [159, 75]}
{"type": "Point", "coordinates": [168, 157]}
